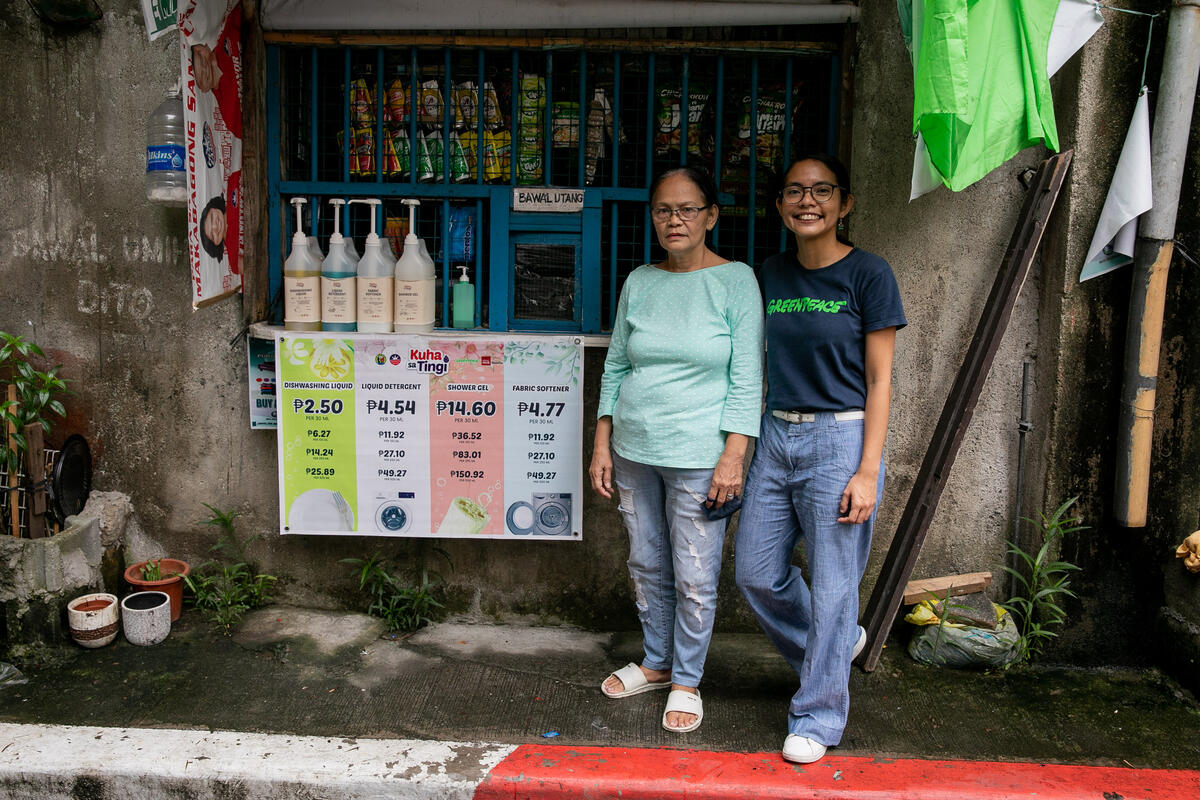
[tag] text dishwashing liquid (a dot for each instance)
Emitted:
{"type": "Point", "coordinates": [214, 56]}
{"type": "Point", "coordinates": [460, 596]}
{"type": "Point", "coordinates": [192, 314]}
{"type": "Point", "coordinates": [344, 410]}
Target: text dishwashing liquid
{"type": "Point", "coordinates": [301, 280]}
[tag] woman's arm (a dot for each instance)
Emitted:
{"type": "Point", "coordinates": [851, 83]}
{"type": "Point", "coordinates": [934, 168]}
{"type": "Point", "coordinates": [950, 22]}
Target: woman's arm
{"type": "Point", "coordinates": [858, 498]}
{"type": "Point", "coordinates": [601, 469]}
{"type": "Point", "coordinates": [743, 400]}
{"type": "Point", "coordinates": [616, 367]}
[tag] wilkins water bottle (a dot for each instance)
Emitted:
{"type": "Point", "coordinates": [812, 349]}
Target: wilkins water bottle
{"type": "Point", "coordinates": [166, 168]}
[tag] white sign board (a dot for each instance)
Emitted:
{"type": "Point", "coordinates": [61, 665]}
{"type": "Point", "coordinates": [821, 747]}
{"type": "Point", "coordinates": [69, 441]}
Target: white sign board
{"type": "Point", "coordinates": [547, 199]}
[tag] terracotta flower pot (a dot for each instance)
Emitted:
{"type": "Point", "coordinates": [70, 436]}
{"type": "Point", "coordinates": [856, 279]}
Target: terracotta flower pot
{"type": "Point", "coordinates": [146, 617]}
{"type": "Point", "coordinates": [92, 619]}
{"type": "Point", "coordinates": [172, 570]}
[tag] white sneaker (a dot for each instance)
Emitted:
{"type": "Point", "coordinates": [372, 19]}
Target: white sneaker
{"type": "Point", "coordinates": [802, 750]}
{"type": "Point", "coordinates": [860, 644]}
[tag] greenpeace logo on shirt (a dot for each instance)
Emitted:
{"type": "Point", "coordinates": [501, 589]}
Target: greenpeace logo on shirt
{"type": "Point", "coordinates": [789, 305]}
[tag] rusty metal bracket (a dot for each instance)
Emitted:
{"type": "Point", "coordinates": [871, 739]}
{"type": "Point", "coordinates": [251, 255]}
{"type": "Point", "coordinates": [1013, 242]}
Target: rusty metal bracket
{"type": "Point", "coordinates": [960, 406]}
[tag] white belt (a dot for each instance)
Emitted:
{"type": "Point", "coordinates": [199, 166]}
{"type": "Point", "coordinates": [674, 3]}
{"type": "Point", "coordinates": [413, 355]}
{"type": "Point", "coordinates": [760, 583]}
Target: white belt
{"type": "Point", "coordinates": [805, 416]}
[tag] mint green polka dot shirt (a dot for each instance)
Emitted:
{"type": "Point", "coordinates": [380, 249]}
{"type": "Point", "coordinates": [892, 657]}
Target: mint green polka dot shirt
{"type": "Point", "coordinates": [684, 365]}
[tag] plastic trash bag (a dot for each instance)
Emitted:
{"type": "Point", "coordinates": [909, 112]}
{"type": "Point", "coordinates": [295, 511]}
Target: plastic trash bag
{"type": "Point", "coordinates": [962, 646]}
{"type": "Point", "coordinates": [10, 676]}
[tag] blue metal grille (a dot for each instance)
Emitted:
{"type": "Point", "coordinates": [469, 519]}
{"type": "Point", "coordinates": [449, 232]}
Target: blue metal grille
{"type": "Point", "coordinates": [460, 127]}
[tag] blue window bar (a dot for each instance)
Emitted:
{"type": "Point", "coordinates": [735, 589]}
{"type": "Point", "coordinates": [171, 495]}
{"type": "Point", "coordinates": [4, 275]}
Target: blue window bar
{"type": "Point", "coordinates": [463, 127]}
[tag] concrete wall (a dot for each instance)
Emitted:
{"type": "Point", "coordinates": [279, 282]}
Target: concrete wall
{"type": "Point", "coordinates": [98, 275]}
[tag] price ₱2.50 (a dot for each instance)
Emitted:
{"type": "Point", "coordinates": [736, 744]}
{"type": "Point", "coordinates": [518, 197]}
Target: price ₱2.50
{"type": "Point", "coordinates": [308, 405]}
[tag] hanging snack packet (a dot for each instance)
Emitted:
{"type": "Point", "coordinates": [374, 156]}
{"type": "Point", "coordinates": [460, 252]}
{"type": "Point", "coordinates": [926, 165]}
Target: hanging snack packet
{"type": "Point", "coordinates": [493, 117]}
{"type": "Point", "coordinates": [564, 130]}
{"type": "Point", "coordinates": [362, 106]}
{"type": "Point", "coordinates": [469, 142]}
{"type": "Point", "coordinates": [462, 234]}
{"type": "Point", "coordinates": [489, 157]}
{"type": "Point", "coordinates": [399, 143]}
{"type": "Point", "coordinates": [599, 123]}
{"type": "Point", "coordinates": [430, 109]}
{"type": "Point", "coordinates": [395, 229]}
{"type": "Point", "coordinates": [436, 149]}
{"type": "Point", "coordinates": [667, 116]}
{"type": "Point", "coordinates": [362, 158]}
{"type": "Point", "coordinates": [397, 101]}
{"type": "Point", "coordinates": [531, 107]}
{"type": "Point", "coordinates": [459, 171]}
{"type": "Point", "coordinates": [424, 163]}
{"type": "Point", "coordinates": [772, 112]}
{"type": "Point", "coordinates": [466, 105]}
{"type": "Point", "coordinates": [391, 161]}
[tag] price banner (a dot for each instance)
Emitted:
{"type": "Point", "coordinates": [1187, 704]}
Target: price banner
{"type": "Point", "coordinates": [427, 436]}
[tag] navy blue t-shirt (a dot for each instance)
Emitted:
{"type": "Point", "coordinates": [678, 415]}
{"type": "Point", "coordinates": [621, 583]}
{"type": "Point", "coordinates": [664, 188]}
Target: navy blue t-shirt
{"type": "Point", "coordinates": [817, 321]}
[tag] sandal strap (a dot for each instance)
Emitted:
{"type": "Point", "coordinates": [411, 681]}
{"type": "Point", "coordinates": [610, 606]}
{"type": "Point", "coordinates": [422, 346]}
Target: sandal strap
{"type": "Point", "coordinates": [685, 702]}
{"type": "Point", "coordinates": [630, 676]}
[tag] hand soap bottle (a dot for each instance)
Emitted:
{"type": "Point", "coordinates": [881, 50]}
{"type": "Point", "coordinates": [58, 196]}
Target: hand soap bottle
{"type": "Point", "coordinates": [462, 304]}
{"type": "Point", "coordinates": [375, 281]}
{"type": "Point", "coordinates": [338, 291]}
{"type": "Point", "coordinates": [301, 281]}
{"type": "Point", "coordinates": [415, 282]}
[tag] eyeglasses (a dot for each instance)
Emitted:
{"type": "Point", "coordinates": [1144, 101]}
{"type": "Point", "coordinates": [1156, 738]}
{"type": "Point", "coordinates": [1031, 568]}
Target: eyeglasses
{"type": "Point", "coordinates": [821, 193]}
{"type": "Point", "coordinates": [686, 213]}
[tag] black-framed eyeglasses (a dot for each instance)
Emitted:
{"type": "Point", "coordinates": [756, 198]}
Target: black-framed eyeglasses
{"type": "Point", "coordinates": [821, 192]}
{"type": "Point", "coordinates": [685, 213]}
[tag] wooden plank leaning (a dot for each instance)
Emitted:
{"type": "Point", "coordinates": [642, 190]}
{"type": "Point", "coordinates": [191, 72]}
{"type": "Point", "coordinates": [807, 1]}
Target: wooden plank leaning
{"type": "Point", "coordinates": [35, 473]}
{"type": "Point", "coordinates": [960, 405]}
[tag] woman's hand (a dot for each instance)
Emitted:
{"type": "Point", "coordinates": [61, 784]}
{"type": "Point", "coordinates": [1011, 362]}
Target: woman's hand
{"type": "Point", "coordinates": [727, 475]}
{"type": "Point", "coordinates": [601, 469]}
{"type": "Point", "coordinates": [858, 498]}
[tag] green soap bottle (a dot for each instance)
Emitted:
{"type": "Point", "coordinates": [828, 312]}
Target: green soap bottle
{"type": "Point", "coordinates": [462, 304]}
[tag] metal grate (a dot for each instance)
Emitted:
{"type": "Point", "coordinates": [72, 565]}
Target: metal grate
{"type": "Point", "coordinates": [599, 116]}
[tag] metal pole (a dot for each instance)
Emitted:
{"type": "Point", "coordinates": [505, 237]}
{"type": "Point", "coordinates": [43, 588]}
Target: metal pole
{"type": "Point", "coordinates": [1024, 426]}
{"type": "Point", "coordinates": [1152, 258]}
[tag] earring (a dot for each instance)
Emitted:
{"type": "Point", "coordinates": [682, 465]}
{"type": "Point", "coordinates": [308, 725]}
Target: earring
{"type": "Point", "coordinates": [841, 223]}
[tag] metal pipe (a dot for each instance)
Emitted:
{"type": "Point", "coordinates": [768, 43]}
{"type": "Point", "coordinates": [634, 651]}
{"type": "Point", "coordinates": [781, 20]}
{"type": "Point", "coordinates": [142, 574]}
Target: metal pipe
{"type": "Point", "coordinates": [1024, 426]}
{"type": "Point", "coordinates": [1152, 258]}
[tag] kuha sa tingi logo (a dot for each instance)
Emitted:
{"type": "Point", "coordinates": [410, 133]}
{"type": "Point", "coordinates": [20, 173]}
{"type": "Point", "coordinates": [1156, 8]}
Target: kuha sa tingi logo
{"type": "Point", "coordinates": [429, 362]}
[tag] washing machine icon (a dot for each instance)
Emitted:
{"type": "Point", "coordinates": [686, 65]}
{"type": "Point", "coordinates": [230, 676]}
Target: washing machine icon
{"type": "Point", "coordinates": [543, 515]}
{"type": "Point", "coordinates": [395, 515]}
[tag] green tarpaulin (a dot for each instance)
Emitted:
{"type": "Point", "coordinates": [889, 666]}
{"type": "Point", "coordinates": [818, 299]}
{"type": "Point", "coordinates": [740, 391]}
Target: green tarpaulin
{"type": "Point", "coordinates": [981, 92]}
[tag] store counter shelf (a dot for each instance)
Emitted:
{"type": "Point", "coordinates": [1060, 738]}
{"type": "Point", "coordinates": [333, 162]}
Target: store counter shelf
{"type": "Point", "coordinates": [265, 330]}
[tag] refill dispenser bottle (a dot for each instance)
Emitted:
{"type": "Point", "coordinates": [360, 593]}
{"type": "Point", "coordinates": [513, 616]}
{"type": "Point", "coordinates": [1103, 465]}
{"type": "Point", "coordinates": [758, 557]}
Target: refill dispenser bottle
{"type": "Point", "coordinates": [339, 294]}
{"type": "Point", "coordinates": [462, 304]}
{"type": "Point", "coordinates": [301, 280]}
{"type": "Point", "coordinates": [376, 278]}
{"type": "Point", "coordinates": [415, 281]}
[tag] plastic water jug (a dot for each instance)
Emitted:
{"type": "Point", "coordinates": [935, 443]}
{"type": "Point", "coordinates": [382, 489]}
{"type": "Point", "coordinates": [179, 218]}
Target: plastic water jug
{"type": "Point", "coordinates": [166, 164]}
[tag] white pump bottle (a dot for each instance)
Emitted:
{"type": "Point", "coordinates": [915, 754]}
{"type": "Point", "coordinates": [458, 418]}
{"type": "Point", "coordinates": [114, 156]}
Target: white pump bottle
{"type": "Point", "coordinates": [415, 281]}
{"type": "Point", "coordinates": [338, 290]}
{"type": "Point", "coordinates": [301, 280]}
{"type": "Point", "coordinates": [375, 281]}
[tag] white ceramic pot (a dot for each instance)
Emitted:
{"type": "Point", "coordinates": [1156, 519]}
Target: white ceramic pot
{"type": "Point", "coordinates": [146, 617]}
{"type": "Point", "coordinates": [92, 619]}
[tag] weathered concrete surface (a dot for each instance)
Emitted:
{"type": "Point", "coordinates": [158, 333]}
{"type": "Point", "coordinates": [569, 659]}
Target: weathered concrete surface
{"type": "Point", "coordinates": [96, 274]}
{"type": "Point", "coordinates": [301, 672]}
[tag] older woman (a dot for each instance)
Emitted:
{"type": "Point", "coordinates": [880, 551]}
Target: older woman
{"type": "Point", "coordinates": [832, 315]}
{"type": "Point", "coordinates": [679, 402]}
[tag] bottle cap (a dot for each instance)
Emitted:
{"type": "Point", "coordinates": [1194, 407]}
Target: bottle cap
{"type": "Point", "coordinates": [463, 278]}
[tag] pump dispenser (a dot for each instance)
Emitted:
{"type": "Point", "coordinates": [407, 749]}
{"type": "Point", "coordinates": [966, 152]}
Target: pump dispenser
{"type": "Point", "coordinates": [338, 291]}
{"type": "Point", "coordinates": [415, 281]}
{"type": "Point", "coordinates": [375, 281]}
{"type": "Point", "coordinates": [462, 304]}
{"type": "Point", "coordinates": [301, 280]}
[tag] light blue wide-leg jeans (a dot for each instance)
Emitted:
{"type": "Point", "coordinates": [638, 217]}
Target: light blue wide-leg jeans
{"type": "Point", "coordinates": [793, 491]}
{"type": "Point", "coordinates": [674, 560]}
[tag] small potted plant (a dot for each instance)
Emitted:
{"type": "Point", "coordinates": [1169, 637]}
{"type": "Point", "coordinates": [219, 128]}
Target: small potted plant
{"type": "Point", "coordinates": [163, 575]}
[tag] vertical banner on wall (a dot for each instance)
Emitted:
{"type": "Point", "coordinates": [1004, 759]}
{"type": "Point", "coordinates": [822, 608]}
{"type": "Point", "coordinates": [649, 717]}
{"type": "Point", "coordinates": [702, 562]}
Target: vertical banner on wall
{"type": "Point", "coordinates": [429, 436]}
{"type": "Point", "coordinates": [211, 39]}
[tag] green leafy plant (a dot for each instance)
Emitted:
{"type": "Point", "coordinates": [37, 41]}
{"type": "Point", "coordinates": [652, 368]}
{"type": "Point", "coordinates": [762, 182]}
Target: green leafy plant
{"type": "Point", "coordinates": [224, 589]}
{"type": "Point", "coordinates": [1041, 583]}
{"type": "Point", "coordinates": [152, 570]}
{"type": "Point", "coordinates": [403, 605]}
{"type": "Point", "coordinates": [37, 394]}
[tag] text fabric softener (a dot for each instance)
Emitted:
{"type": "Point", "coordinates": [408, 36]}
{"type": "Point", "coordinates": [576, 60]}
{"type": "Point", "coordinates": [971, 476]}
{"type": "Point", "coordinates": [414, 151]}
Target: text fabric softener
{"type": "Point", "coordinates": [301, 281]}
{"type": "Point", "coordinates": [415, 281]}
{"type": "Point", "coordinates": [375, 281]}
{"type": "Point", "coordinates": [338, 290]}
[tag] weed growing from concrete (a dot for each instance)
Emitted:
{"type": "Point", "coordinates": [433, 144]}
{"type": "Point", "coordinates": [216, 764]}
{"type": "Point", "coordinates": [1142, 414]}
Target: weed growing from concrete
{"type": "Point", "coordinates": [403, 605]}
{"type": "Point", "coordinates": [224, 590]}
{"type": "Point", "coordinates": [1041, 584]}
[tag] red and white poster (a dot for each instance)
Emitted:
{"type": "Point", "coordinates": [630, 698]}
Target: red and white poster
{"type": "Point", "coordinates": [211, 39]}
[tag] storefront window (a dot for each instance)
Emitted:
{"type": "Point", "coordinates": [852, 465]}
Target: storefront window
{"type": "Point", "coordinates": [532, 165]}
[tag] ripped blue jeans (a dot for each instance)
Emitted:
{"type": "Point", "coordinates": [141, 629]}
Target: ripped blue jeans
{"type": "Point", "coordinates": [674, 560]}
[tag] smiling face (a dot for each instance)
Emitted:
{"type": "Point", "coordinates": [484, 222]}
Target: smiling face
{"type": "Point", "coordinates": [213, 225]}
{"type": "Point", "coordinates": [677, 235]}
{"type": "Point", "coordinates": [808, 219]}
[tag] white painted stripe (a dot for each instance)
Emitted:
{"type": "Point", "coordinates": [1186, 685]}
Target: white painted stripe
{"type": "Point", "coordinates": [46, 762]}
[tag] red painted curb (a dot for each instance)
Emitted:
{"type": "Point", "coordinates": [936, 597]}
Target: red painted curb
{"type": "Point", "coordinates": [540, 772]}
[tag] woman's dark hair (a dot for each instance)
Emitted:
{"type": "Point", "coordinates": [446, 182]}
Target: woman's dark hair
{"type": "Point", "coordinates": [214, 249]}
{"type": "Point", "coordinates": [698, 176]}
{"type": "Point", "coordinates": [840, 173]}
